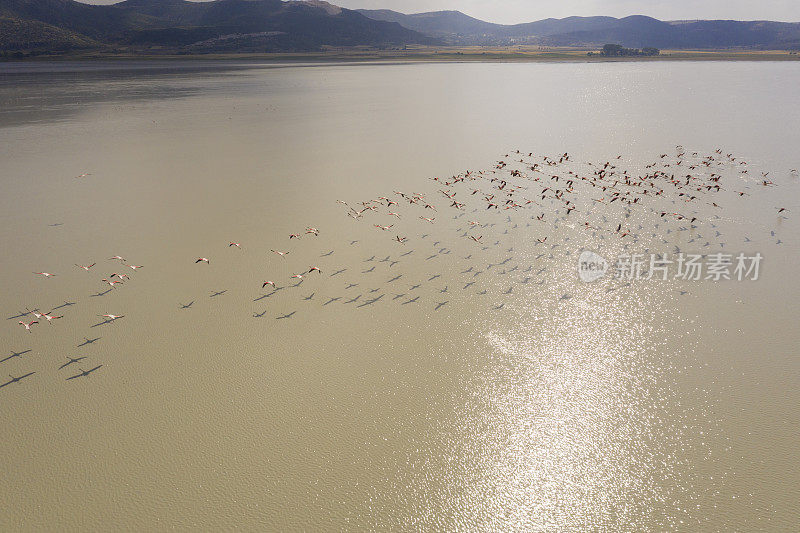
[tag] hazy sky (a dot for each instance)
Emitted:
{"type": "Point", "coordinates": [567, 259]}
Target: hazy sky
{"type": "Point", "coordinates": [513, 11]}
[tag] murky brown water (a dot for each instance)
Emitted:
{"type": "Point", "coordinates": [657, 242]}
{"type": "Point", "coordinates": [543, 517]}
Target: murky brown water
{"type": "Point", "coordinates": [519, 398]}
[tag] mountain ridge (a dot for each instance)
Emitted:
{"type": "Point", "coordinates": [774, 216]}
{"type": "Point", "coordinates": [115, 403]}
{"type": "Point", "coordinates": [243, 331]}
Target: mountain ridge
{"type": "Point", "coordinates": [633, 31]}
{"type": "Point", "coordinates": [297, 25]}
{"type": "Point", "coordinates": [232, 26]}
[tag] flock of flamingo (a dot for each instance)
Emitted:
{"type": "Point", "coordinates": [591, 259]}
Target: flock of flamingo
{"type": "Point", "coordinates": [537, 201]}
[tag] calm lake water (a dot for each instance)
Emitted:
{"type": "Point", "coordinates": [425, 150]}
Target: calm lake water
{"type": "Point", "coordinates": [486, 388]}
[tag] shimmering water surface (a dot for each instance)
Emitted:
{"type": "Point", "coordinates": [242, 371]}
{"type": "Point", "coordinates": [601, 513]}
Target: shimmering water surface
{"type": "Point", "coordinates": [519, 398]}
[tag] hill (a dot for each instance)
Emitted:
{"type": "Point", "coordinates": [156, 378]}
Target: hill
{"type": "Point", "coordinates": [633, 31]}
{"type": "Point", "coordinates": [441, 23]}
{"type": "Point", "coordinates": [18, 35]}
{"type": "Point", "coordinates": [183, 26]}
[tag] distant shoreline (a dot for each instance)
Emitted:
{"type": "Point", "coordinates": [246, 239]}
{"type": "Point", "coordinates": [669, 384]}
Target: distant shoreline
{"type": "Point", "coordinates": [425, 54]}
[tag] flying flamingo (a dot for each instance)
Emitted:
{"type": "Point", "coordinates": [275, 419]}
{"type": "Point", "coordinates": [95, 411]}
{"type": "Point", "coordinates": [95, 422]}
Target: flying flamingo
{"type": "Point", "coordinates": [298, 276]}
{"type": "Point", "coordinates": [203, 259]}
{"type": "Point", "coordinates": [112, 317]}
{"type": "Point", "coordinates": [294, 236]}
{"type": "Point", "coordinates": [134, 267]}
{"type": "Point", "coordinates": [86, 268]}
{"type": "Point", "coordinates": [51, 317]}
{"type": "Point", "coordinates": [236, 244]}
{"type": "Point", "coordinates": [110, 283]}
{"type": "Point", "coordinates": [28, 325]}
{"type": "Point", "coordinates": [45, 274]}
{"type": "Point", "coordinates": [117, 257]}
{"type": "Point", "coordinates": [384, 228]}
{"type": "Point", "coordinates": [272, 283]}
{"type": "Point", "coordinates": [314, 269]}
{"type": "Point", "coordinates": [280, 253]}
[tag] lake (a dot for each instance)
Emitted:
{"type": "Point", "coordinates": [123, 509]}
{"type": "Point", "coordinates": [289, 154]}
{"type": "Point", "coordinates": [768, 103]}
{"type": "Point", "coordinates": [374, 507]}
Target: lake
{"type": "Point", "coordinates": [438, 383]}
